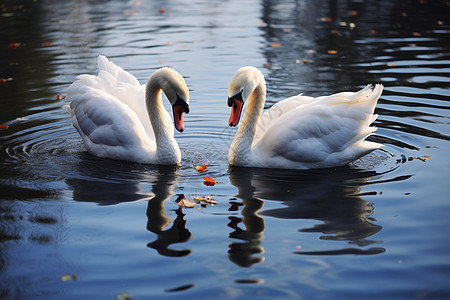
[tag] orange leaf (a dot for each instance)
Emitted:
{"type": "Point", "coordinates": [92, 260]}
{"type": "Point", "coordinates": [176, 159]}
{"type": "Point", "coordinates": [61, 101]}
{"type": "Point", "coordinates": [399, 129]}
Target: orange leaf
{"type": "Point", "coordinates": [162, 10]}
{"type": "Point", "coordinates": [201, 168]}
{"type": "Point", "coordinates": [416, 34]}
{"type": "Point", "coordinates": [353, 12]}
{"type": "Point", "coordinates": [3, 126]}
{"type": "Point", "coordinates": [332, 51]}
{"type": "Point", "coordinates": [3, 80]}
{"type": "Point", "coordinates": [14, 45]}
{"type": "Point", "coordinates": [275, 44]}
{"type": "Point", "coordinates": [47, 44]}
{"type": "Point", "coordinates": [209, 181]}
{"type": "Point", "coordinates": [372, 31]}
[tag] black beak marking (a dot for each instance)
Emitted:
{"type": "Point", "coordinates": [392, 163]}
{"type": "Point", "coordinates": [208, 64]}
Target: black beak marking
{"type": "Point", "coordinates": [180, 101]}
{"type": "Point", "coordinates": [238, 97]}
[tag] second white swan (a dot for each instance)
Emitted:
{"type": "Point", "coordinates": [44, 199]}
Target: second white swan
{"type": "Point", "coordinates": [299, 132]}
{"type": "Point", "coordinates": [121, 119]}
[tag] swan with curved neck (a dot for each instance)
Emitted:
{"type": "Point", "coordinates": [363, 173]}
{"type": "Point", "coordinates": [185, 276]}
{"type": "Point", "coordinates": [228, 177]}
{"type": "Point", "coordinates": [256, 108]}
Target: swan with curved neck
{"type": "Point", "coordinates": [118, 118]}
{"type": "Point", "coordinates": [299, 132]}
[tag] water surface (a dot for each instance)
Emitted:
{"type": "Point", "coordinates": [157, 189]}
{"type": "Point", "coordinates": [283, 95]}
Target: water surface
{"type": "Point", "coordinates": [374, 229]}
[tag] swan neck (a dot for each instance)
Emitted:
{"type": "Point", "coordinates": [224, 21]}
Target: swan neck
{"type": "Point", "coordinates": [242, 143]}
{"type": "Point", "coordinates": [165, 141]}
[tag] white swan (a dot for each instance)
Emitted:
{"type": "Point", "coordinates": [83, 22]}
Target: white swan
{"type": "Point", "coordinates": [121, 119]}
{"type": "Point", "coordinates": [299, 132]}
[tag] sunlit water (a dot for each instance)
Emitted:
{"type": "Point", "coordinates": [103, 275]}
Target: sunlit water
{"type": "Point", "coordinates": [375, 229]}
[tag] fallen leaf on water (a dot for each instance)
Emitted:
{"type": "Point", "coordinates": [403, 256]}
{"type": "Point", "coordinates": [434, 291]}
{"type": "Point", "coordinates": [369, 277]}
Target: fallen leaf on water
{"type": "Point", "coordinates": [124, 296]}
{"type": "Point", "coordinates": [21, 119]}
{"type": "Point", "coordinates": [182, 201]}
{"type": "Point", "coordinates": [206, 199]}
{"type": "Point", "coordinates": [14, 45]}
{"type": "Point", "coordinates": [372, 31]}
{"type": "Point", "coordinates": [68, 277]}
{"type": "Point", "coordinates": [47, 44]}
{"type": "Point", "coordinates": [3, 127]}
{"type": "Point", "coordinates": [422, 158]}
{"type": "Point", "coordinates": [275, 44]}
{"type": "Point", "coordinates": [351, 25]}
{"type": "Point", "coordinates": [186, 203]}
{"type": "Point", "coordinates": [298, 247]}
{"type": "Point", "coordinates": [181, 288]}
{"type": "Point", "coordinates": [326, 19]}
{"type": "Point", "coordinates": [332, 51]}
{"type": "Point", "coordinates": [137, 3]}
{"type": "Point", "coordinates": [287, 30]}
{"type": "Point", "coordinates": [209, 181]}
{"type": "Point", "coordinates": [335, 31]}
{"type": "Point", "coordinates": [431, 147]}
{"type": "Point", "coordinates": [416, 34]}
{"type": "Point", "coordinates": [3, 80]}
{"type": "Point", "coordinates": [391, 65]}
{"type": "Point", "coordinates": [58, 97]}
{"type": "Point", "coordinates": [201, 168]}
{"type": "Point", "coordinates": [353, 13]}
{"type": "Point", "coordinates": [162, 10]}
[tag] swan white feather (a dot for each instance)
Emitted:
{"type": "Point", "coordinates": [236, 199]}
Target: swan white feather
{"type": "Point", "coordinates": [299, 132]}
{"type": "Point", "coordinates": [121, 119]}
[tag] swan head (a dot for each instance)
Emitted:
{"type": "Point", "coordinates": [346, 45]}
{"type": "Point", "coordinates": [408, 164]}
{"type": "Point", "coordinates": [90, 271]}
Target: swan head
{"type": "Point", "coordinates": [242, 85]}
{"type": "Point", "coordinates": [175, 88]}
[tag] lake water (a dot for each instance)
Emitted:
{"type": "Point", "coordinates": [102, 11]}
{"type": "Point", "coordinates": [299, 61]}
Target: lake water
{"type": "Point", "coordinates": [73, 226]}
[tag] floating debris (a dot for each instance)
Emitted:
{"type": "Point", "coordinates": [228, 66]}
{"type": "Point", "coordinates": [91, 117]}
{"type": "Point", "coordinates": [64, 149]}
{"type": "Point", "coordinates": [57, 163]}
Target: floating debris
{"type": "Point", "coordinates": [206, 200]}
{"type": "Point", "coordinates": [208, 181]}
{"type": "Point", "coordinates": [201, 168]}
{"type": "Point", "coordinates": [68, 277]}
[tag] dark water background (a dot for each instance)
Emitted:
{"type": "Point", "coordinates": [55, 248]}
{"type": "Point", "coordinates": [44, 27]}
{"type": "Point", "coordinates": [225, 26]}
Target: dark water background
{"type": "Point", "coordinates": [378, 229]}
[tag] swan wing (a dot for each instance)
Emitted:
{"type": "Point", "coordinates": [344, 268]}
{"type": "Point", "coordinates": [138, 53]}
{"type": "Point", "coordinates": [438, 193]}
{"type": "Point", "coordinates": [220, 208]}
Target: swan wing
{"type": "Point", "coordinates": [120, 84]}
{"type": "Point", "coordinates": [319, 132]}
{"type": "Point", "coordinates": [271, 115]}
{"type": "Point", "coordinates": [108, 127]}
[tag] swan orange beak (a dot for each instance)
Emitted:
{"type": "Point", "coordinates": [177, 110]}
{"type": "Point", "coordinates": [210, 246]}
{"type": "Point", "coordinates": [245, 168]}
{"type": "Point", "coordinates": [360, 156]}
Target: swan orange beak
{"type": "Point", "coordinates": [236, 109]}
{"type": "Point", "coordinates": [178, 117]}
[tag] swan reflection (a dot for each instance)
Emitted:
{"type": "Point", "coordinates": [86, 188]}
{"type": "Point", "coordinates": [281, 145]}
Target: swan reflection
{"type": "Point", "coordinates": [245, 253]}
{"type": "Point", "coordinates": [115, 183]}
{"type": "Point", "coordinates": [331, 196]}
